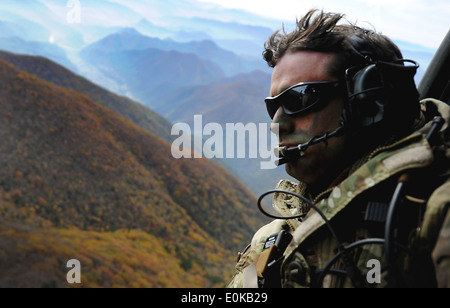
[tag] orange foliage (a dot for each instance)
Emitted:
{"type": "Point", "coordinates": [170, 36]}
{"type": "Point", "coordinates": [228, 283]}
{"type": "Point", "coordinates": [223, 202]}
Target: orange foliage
{"type": "Point", "coordinates": [79, 181]}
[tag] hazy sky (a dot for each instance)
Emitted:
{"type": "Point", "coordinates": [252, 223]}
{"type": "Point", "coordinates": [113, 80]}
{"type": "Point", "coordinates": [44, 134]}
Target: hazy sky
{"type": "Point", "coordinates": [424, 22]}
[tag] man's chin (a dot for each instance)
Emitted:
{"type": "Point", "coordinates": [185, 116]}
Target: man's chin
{"type": "Point", "coordinates": [291, 168]}
{"type": "Point", "coordinates": [298, 169]}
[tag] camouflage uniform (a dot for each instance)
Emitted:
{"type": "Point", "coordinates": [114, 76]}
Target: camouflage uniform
{"type": "Point", "coordinates": [353, 208]}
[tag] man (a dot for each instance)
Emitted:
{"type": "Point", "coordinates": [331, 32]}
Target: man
{"type": "Point", "coordinates": [370, 208]}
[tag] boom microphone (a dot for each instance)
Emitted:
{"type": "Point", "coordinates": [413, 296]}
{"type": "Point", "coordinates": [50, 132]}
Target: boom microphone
{"type": "Point", "coordinates": [290, 154]}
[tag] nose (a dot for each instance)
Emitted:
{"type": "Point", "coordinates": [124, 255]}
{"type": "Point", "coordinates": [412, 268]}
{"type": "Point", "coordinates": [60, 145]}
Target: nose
{"type": "Point", "coordinates": [282, 123]}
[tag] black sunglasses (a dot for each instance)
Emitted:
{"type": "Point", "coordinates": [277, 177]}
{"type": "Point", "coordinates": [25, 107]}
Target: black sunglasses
{"type": "Point", "coordinates": [302, 97]}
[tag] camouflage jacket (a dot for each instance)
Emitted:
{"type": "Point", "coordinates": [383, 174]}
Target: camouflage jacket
{"type": "Point", "coordinates": [356, 210]}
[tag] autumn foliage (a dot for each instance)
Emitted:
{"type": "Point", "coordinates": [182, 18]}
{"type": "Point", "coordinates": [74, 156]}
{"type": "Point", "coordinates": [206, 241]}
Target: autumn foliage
{"type": "Point", "coordinates": [78, 180]}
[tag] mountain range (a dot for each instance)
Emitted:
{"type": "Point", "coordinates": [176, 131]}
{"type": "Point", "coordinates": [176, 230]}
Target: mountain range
{"type": "Point", "coordinates": [61, 76]}
{"type": "Point", "coordinates": [75, 176]}
{"type": "Point", "coordinates": [168, 76]}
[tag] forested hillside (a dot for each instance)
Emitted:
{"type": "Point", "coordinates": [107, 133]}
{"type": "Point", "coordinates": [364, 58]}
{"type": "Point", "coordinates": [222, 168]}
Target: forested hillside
{"type": "Point", "coordinates": [79, 181]}
{"type": "Point", "coordinates": [61, 76]}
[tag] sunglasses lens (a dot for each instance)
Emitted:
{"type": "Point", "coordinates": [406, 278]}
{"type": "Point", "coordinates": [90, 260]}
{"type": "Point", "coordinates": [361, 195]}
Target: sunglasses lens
{"type": "Point", "coordinates": [299, 98]}
{"type": "Point", "coordinates": [272, 107]}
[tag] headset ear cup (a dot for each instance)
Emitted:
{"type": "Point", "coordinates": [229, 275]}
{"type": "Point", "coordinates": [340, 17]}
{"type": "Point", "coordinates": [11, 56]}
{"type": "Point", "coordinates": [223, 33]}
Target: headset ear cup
{"type": "Point", "coordinates": [367, 102]}
{"type": "Point", "coordinates": [401, 89]}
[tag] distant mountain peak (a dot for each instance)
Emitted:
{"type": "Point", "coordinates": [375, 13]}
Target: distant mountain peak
{"type": "Point", "coordinates": [129, 31]}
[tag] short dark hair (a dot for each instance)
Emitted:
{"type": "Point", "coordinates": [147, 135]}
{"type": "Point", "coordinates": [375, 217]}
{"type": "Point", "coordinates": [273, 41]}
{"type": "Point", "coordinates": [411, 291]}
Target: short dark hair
{"type": "Point", "coordinates": [323, 32]}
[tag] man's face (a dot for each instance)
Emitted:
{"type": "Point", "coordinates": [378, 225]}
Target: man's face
{"type": "Point", "coordinates": [321, 162]}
